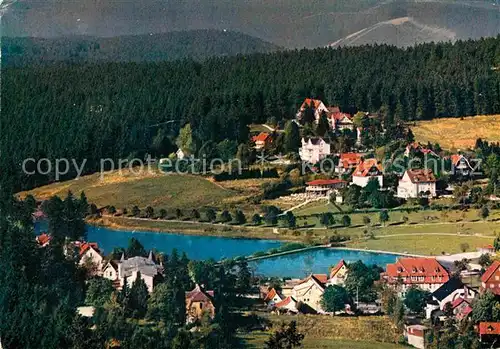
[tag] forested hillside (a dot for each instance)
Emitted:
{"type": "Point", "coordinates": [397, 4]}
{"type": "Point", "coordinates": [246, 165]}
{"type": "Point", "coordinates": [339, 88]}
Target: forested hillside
{"type": "Point", "coordinates": [291, 23]}
{"type": "Point", "coordinates": [196, 44]}
{"type": "Point", "coordinates": [113, 110]}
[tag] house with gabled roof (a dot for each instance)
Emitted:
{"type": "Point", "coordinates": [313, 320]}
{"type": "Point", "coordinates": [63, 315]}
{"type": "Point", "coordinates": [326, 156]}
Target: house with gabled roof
{"type": "Point", "coordinates": [417, 182]}
{"type": "Point", "coordinates": [460, 165]}
{"type": "Point", "coordinates": [273, 297]}
{"type": "Point", "coordinates": [90, 254]}
{"type": "Point", "coordinates": [490, 280]}
{"type": "Point", "coordinates": [287, 305]}
{"type": "Point", "coordinates": [315, 104]}
{"type": "Point", "coordinates": [310, 291]}
{"type": "Point", "coordinates": [314, 150]}
{"type": "Point", "coordinates": [262, 140]}
{"type": "Point", "coordinates": [425, 273]}
{"type": "Point", "coordinates": [489, 332]}
{"type": "Point", "coordinates": [367, 169]}
{"type": "Point", "coordinates": [348, 162]}
{"type": "Point", "coordinates": [324, 187]}
{"type": "Point", "coordinates": [340, 121]}
{"type": "Point", "coordinates": [338, 274]}
{"type": "Point", "coordinates": [130, 268]}
{"type": "Point", "coordinates": [198, 303]}
{"type": "Point", "coordinates": [449, 292]}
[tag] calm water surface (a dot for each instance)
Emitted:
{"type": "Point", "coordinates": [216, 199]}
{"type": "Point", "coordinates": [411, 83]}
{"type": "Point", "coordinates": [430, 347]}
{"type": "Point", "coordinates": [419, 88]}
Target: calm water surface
{"type": "Point", "coordinates": [206, 247]}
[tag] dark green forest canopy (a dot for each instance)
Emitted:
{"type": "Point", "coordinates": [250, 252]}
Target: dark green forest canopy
{"type": "Point", "coordinates": [106, 110]}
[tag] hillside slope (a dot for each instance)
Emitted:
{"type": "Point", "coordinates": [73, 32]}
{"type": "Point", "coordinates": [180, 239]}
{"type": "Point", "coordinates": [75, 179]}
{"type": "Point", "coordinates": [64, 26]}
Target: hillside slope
{"type": "Point", "coordinates": [197, 44]}
{"type": "Point", "coordinates": [291, 23]}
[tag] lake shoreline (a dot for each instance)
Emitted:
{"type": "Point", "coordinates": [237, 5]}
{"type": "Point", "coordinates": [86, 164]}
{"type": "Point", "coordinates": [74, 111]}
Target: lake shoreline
{"type": "Point", "coordinates": [190, 228]}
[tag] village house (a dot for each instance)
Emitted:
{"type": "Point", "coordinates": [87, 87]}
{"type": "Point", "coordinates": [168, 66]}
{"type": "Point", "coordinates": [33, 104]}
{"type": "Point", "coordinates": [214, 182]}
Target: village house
{"type": "Point", "coordinates": [490, 280]}
{"type": "Point", "coordinates": [316, 105]}
{"type": "Point", "coordinates": [425, 273]}
{"type": "Point", "coordinates": [287, 305]}
{"type": "Point", "coordinates": [310, 291]}
{"type": "Point", "coordinates": [368, 168]}
{"type": "Point", "coordinates": [262, 141]}
{"type": "Point", "coordinates": [324, 187]}
{"type": "Point", "coordinates": [449, 292]}
{"type": "Point", "coordinates": [90, 255]}
{"type": "Point", "coordinates": [340, 121]}
{"type": "Point", "coordinates": [486, 249]}
{"type": "Point", "coordinates": [130, 268]}
{"type": "Point", "coordinates": [198, 303]}
{"type": "Point", "coordinates": [314, 150]}
{"type": "Point", "coordinates": [348, 162]}
{"type": "Point", "coordinates": [180, 154]}
{"type": "Point", "coordinates": [338, 274]}
{"type": "Point", "coordinates": [43, 239]}
{"type": "Point", "coordinates": [273, 297]}
{"type": "Point", "coordinates": [417, 182]}
{"type": "Point", "coordinates": [460, 165]}
{"type": "Point", "coordinates": [416, 335]}
{"type": "Point", "coordinates": [489, 332]}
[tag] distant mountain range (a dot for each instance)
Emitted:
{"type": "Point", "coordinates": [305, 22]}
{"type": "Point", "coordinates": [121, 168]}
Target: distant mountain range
{"type": "Point", "coordinates": [195, 44]}
{"type": "Point", "coordinates": [290, 23]}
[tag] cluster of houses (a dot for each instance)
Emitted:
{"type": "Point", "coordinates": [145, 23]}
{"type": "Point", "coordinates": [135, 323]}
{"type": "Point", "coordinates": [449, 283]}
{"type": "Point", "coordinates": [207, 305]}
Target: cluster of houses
{"type": "Point", "coordinates": [126, 270]}
{"type": "Point", "coordinates": [428, 274]}
{"type": "Point", "coordinates": [413, 183]}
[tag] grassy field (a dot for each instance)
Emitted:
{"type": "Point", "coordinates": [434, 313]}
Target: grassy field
{"type": "Point", "coordinates": [456, 133]}
{"type": "Point", "coordinates": [334, 332]}
{"type": "Point", "coordinates": [423, 244]}
{"type": "Point", "coordinates": [159, 190]}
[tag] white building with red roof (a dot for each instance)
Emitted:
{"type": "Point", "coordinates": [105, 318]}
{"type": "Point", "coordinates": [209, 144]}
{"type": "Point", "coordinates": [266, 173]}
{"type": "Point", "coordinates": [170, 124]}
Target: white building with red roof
{"type": "Point", "coordinates": [43, 239]}
{"type": "Point", "coordinates": [340, 121]}
{"type": "Point", "coordinates": [417, 182]}
{"type": "Point", "coordinates": [460, 165]}
{"type": "Point", "coordinates": [490, 280]}
{"type": "Point", "coordinates": [287, 305]}
{"type": "Point", "coordinates": [324, 187]}
{"type": "Point", "coordinates": [310, 291]}
{"type": "Point", "coordinates": [425, 273]}
{"type": "Point", "coordinates": [273, 297]}
{"type": "Point", "coordinates": [367, 169]}
{"type": "Point", "coordinates": [90, 255]}
{"type": "Point", "coordinates": [338, 274]}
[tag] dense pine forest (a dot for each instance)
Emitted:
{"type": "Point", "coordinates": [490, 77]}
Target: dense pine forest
{"type": "Point", "coordinates": [115, 110]}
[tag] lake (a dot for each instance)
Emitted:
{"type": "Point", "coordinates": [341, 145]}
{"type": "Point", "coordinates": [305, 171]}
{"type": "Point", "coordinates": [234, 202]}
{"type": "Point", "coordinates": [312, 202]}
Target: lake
{"type": "Point", "coordinates": [206, 247]}
{"type": "Point", "coordinates": [319, 261]}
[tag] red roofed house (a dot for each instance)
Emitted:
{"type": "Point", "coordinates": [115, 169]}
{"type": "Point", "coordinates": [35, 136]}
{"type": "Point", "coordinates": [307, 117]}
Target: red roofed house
{"type": "Point", "coordinates": [460, 165]}
{"type": "Point", "coordinates": [369, 168]}
{"type": "Point", "coordinates": [324, 187]}
{"type": "Point", "coordinates": [318, 106]}
{"type": "Point", "coordinates": [198, 303]}
{"type": "Point", "coordinates": [349, 161]}
{"type": "Point", "coordinates": [489, 332]}
{"type": "Point", "coordinates": [461, 308]}
{"type": "Point", "coordinates": [262, 140]}
{"type": "Point", "coordinates": [91, 255]}
{"type": "Point", "coordinates": [273, 297]}
{"type": "Point", "coordinates": [43, 239]}
{"type": "Point", "coordinates": [491, 278]}
{"type": "Point", "coordinates": [486, 249]}
{"type": "Point", "coordinates": [338, 274]}
{"type": "Point", "coordinates": [289, 304]}
{"type": "Point", "coordinates": [417, 182]}
{"type": "Point", "coordinates": [340, 121]}
{"type": "Point", "coordinates": [310, 291]}
{"type": "Point", "coordinates": [425, 273]}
